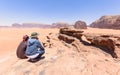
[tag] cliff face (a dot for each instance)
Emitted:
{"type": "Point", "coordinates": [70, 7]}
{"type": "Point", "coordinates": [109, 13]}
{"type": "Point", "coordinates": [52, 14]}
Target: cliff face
{"type": "Point", "coordinates": [109, 22]}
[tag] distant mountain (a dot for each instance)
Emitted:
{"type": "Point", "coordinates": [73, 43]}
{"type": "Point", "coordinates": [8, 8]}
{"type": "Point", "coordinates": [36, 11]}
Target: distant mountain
{"type": "Point", "coordinates": [109, 22]}
{"type": "Point", "coordinates": [60, 24]}
{"type": "Point", "coordinates": [31, 25]}
{"type": "Point", "coordinates": [38, 25]}
{"type": "Point", "coordinates": [5, 26]}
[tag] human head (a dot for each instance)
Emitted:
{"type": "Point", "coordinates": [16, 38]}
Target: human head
{"type": "Point", "coordinates": [25, 37]}
{"type": "Point", "coordinates": [34, 35]}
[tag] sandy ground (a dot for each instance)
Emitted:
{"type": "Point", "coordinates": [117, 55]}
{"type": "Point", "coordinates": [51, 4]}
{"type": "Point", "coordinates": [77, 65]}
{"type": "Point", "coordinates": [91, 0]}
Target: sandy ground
{"type": "Point", "coordinates": [11, 37]}
{"type": "Point", "coordinates": [61, 59]}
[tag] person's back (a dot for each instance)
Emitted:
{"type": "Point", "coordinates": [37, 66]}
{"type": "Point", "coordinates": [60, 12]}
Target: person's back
{"type": "Point", "coordinates": [34, 47]}
{"type": "Point", "coordinates": [22, 47]}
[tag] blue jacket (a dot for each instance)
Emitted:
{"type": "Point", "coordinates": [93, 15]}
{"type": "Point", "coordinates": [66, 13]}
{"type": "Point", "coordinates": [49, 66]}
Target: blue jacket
{"type": "Point", "coordinates": [33, 45]}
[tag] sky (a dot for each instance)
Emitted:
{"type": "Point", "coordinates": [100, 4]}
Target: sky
{"type": "Point", "coordinates": [51, 11]}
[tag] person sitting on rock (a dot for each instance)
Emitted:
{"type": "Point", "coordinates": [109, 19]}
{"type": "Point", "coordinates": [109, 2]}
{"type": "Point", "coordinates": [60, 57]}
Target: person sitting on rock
{"type": "Point", "coordinates": [34, 49]}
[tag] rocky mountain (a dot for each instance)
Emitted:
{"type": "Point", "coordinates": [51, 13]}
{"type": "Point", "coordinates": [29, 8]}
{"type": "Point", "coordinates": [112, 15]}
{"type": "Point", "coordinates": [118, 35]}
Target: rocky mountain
{"type": "Point", "coordinates": [109, 22]}
{"type": "Point", "coordinates": [80, 25]}
{"type": "Point", "coordinates": [30, 25]}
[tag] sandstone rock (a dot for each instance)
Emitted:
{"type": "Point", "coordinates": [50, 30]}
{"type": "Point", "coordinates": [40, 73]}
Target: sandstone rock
{"type": "Point", "coordinates": [106, 41]}
{"type": "Point", "coordinates": [70, 40]}
{"type": "Point", "coordinates": [110, 22]}
{"type": "Point", "coordinates": [71, 32]}
{"type": "Point", "coordinates": [66, 38]}
{"type": "Point", "coordinates": [80, 25]}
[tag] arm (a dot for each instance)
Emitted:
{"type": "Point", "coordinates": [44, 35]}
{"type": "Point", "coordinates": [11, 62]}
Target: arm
{"type": "Point", "coordinates": [39, 45]}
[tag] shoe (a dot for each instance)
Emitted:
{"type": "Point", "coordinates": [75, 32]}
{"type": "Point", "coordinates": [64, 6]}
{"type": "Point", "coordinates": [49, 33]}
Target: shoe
{"type": "Point", "coordinates": [33, 60]}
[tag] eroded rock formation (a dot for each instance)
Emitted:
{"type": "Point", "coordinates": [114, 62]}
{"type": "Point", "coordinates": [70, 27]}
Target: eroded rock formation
{"type": "Point", "coordinates": [80, 25]}
{"type": "Point", "coordinates": [110, 22]}
{"type": "Point", "coordinates": [71, 36]}
{"type": "Point", "coordinates": [70, 40]}
{"type": "Point", "coordinates": [72, 32]}
{"type": "Point", "coordinates": [106, 41]}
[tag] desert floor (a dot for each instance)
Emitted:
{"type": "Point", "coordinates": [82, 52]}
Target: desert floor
{"type": "Point", "coordinates": [11, 37]}
{"type": "Point", "coordinates": [60, 59]}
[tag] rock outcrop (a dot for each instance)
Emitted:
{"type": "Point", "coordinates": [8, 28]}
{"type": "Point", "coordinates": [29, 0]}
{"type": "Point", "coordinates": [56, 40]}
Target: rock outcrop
{"type": "Point", "coordinates": [72, 32]}
{"type": "Point", "coordinates": [66, 38]}
{"type": "Point", "coordinates": [80, 25]}
{"type": "Point", "coordinates": [106, 41]}
{"type": "Point", "coordinates": [109, 22]}
{"type": "Point", "coordinates": [71, 36]}
{"type": "Point", "coordinates": [70, 40]}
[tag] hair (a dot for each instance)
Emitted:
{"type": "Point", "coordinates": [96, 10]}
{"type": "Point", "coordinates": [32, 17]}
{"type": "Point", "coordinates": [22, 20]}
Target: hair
{"type": "Point", "coordinates": [25, 38]}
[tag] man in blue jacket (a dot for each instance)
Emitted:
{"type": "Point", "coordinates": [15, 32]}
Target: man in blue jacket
{"type": "Point", "coordinates": [34, 48]}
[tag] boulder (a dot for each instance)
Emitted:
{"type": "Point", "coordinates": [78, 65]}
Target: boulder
{"type": "Point", "coordinates": [80, 25]}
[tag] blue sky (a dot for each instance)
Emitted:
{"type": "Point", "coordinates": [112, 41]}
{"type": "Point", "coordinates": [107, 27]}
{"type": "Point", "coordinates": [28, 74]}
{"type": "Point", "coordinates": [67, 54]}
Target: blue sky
{"type": "Point", "coordinates": [50, 11]}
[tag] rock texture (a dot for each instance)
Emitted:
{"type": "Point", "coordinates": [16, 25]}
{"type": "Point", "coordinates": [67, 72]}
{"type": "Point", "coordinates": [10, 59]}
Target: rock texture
{"type": "Point", "coordinates": [110, 42]}
{"type": "Point", "coordinates": [110, 22]}
{"type": "Point", "coordinates": [66, 38]}
{"type": "Point", "coordinates": [80, 25]}
{"type": "Point", "coordinates": [72, 32]}
{"type": "Point", "coordinates": [70, 40]}
{"type": "Point", "coordinates": [70, 35]}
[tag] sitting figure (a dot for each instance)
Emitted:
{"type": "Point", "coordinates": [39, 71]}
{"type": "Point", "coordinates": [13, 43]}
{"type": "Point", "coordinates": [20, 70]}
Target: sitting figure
{"type": "Point", "coordinates": [22, 48]}
{"type": "Point", "coordinates": [34, 49]}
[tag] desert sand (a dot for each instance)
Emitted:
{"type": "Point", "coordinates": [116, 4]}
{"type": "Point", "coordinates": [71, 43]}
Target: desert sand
{"type": "Point", "coordinates": [61, 59]}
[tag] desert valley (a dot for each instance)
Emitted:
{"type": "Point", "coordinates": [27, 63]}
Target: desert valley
{"type": "Point", "coordinates": [75, 50]}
